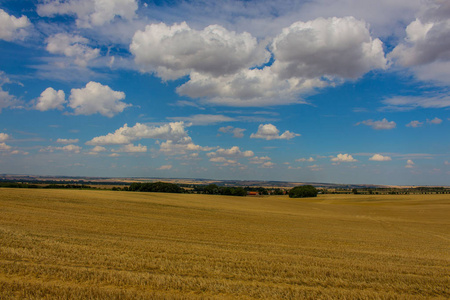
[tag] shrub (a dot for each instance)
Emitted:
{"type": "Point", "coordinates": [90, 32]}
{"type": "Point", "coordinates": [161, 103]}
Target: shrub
{"type": "Point", "coordinates": [303, 191]}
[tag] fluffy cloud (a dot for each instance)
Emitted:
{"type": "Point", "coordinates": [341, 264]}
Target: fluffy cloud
{"type": "Point", "coordinates": [260, 160]}
{"type": "Point", "coordinates": [270, 132]}
{"type": "Point", "coordinates": [305, 159]}
{"type": "Point", "coordinates": [173, 131]}
{"type": "Point", "coordinates": [427, 38]}
{"type": "Point", "coordinates": [337, 47]}
{"type": "Point", "coordinates": [427, 43]}
{"type": "Point", "coordinates": [255, 87]}
{"type": "Point", "coordinates": [68, 148]}
{"type": "Point", "coordinates": [436, 120]}
{"type": "Point", "coordinates": [96, 150]}
{"type": "Point", "coordinates": [3, 136]}
{"type": "Point", "coordinates": [97, 98]}
{"type": "Point", "coordinates": [315, 168]}
{"type": "Point", "coordinates": [181, 146]}
{"type": "Point", "coordinates": [90, 12]}
{"type": "Point", "coordinates": [409, 164]}
{"type": "Point", "coordinates": [414, 124]}
{"type": "Point", "coordinates": [175, 51]}
{"type": "Point", "coordinates": [7, 100]}
{"type": "Point", "coordinates": [219, 63]}
{"type": "Point", "coordinates": [267, 164]}
{"type": "Point", "coordinates": [51, 99]}
{"type": "Point", "coordinates": [4, 147]}
{"type": "Point", "coordinates": [231, 152]}
{"type": "Point", "coordinates": [237, 132]}
{"type": "Point", "coordinates": [72, 46]}
{"type": "Point", "coordinates": [67, 141]}
{"type": "Point", "coordinates": [224, 161]}
{"type": "Point", "coordinates": [12, 28]}
{"type": "Point", "coordinates": [130, 148]}
{"type": "Point", "coordinates": [379, 125]}
{"type": "Point", "coordinates": [343, 158]}
{"type": "Point", "coordinates": [379, 157]}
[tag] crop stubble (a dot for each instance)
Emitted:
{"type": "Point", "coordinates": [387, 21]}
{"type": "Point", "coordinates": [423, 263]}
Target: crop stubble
{"type": "Point", "coordinates": [65, 244]}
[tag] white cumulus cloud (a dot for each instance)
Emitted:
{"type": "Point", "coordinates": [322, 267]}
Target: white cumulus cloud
{"type": "Point", "coordinates": [181, 146]}
{"type": "Point", "coordinates": [7, 100]}
{"type": "Point", "coordinates": [231, 152]}
{"type": "Point", "coordinates": [379, 157]}
{"type": "Point", "coordinates": [271, 132]}
{"type": "Point", "coordinates": [90, 12]}
{"type": "Point", "coordinates": [341, 47]}
{"type": "Point", "coordinates": [237, 132]}
{"type": "Point", "coordinates": [12, 28]}
{"type": "Point", "coordinates": [97, 98]}
{"type": "Point", "coordinates": [68, 148]}
{"type": "Point", "coordinates": [174, 131]}
{"type": "Point", "coordinates": [436, 120]}
{"type": "Point", "coordinates": [72, 46]}
{"type": "Point", "coordinates": [427, 37]}
{"type": "Point", "coordinates": [4, 147]}
{"type": "Point", "coordinates": [409, 164]}
{"type": "Point", "coordinates": [414, 124]}
{"type": "Point", "coordinates": [4, 136]}
{"type": "Point", "coordinates": [305, 159]}
{"type": "Point", "coordinates": [383, 124]}
{"type": "Point", "coordinates": [426, 47]}
{"type": "Point", "coordinates": [249, 87]}
{"type": "Point", "coordinates": [96, 150]}
{"type": "Point", "coordinates": [307, 56]}
{"type": "Point", "coordinates": [267, 164]}
{"type": "Point", "coordinates": [51, 99]}
{"type": "Point", "coordinates": [130, 148]}
{"type": "Point", "coordinates": [259, 160]}
{"type": "Point", "coordinates": [343, 158]}
{"type": "Point", "coordinates": [224, 161]}
{"type": "Point", "coordinates": [175, 51]}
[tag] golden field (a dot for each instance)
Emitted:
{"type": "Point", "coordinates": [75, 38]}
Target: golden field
{"type": "Point", "coordinates": [71, 244]}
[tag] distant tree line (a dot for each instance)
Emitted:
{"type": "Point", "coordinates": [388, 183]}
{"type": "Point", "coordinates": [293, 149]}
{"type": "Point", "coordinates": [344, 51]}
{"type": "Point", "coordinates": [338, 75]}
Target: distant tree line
{"type": "Point", "coordinates": [210, 189]}
{"type": "Point", "coordinates": [303, 191]}
{"type": "Point", "coordinates": [213, 189]}
{"type": "Point", "coordinates": [388, 191]}
{"type": "Point", "coordinates": [21, 185]}
{"type": "Point", "coordinates": [156, 187]}
{"type": "Point", "coordinates": [62, 182]}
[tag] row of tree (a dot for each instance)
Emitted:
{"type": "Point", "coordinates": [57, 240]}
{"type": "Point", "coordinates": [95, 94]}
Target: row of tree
{"type": "Point", "coordinates": [303, 191]}
{"type": "Point", "coordinates": [164, 187]}
{"type": "Point", "coordinates": [20, 185]}
{"type": "Point", "coordinates": [156, 187]}
{"type": "Point", "coordinates": [214, 189]}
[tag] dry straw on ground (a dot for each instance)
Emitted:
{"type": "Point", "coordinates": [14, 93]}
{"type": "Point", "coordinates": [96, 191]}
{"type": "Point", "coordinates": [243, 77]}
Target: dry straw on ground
{"type": "Point", "coordinates": [64, 244]}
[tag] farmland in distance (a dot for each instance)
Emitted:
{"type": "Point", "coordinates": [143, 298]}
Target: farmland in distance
{"type": "Point", "coordinates": [67, 244]}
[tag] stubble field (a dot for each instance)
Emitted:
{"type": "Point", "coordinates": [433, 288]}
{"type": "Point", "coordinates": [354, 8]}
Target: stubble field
{"type": "Point", "coordinates": [66, 244]}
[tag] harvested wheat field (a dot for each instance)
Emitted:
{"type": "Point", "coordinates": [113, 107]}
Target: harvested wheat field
{"type": "Point", "coordinates": [66, 244]}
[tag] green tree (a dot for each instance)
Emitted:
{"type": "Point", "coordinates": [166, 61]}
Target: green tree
{"type": "Point", "coordinates": [303, 191]}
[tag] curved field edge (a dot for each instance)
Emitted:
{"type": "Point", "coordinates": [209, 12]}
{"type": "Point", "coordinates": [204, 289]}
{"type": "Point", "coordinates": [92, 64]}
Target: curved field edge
{"type": "Point", "coordinates": [66, 244]}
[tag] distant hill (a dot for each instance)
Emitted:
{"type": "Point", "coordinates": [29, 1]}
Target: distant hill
{"type": "Point", "coordinates": [194, 181]}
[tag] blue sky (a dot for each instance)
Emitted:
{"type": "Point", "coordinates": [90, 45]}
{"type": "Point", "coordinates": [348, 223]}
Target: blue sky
{"type": "Point", "coordinates": [339, 91]}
